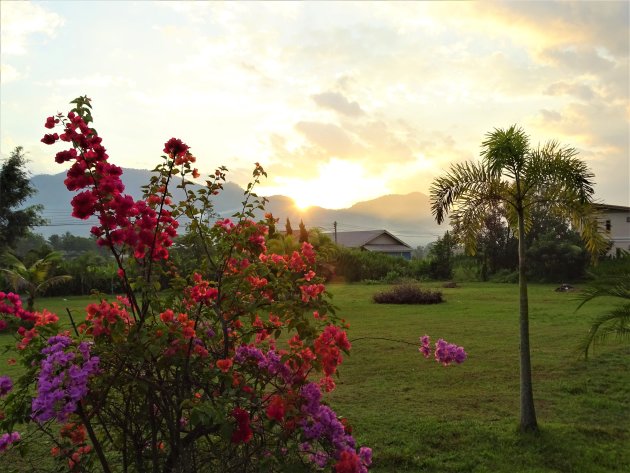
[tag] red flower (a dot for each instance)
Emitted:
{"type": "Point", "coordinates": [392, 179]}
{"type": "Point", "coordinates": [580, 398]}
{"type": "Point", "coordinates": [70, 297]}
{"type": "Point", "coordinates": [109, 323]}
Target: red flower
{"type": "Point", "coordinates": [63, 156]}
{"type": "Point", "coordinates": [243, 432]}
{"type": "Point", "coordinates": [83, 204]}
{"type": "Point", "coordinates": [50, 139]}
{"type": "Point", "coordinates": [276, 408]}
{"type": "Point", "coordinates": [349, 462]}
{"type": "Point", "coordinates": [225, 364]}
{"type": "Point", "coordinates": [50, 122]}
{"type": "Point", "coordinates": [175, 147]}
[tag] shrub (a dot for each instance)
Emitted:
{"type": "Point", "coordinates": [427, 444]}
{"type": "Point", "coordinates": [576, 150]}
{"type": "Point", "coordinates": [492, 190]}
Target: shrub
{"type": "Point", "coordinates": [505, 276]}
{"type": "Point", "coordinates": [408, 294]}
{"type": "Point", "coordinates": [358, 265]}
{"type": "Point", "coordinates": [217, 365]}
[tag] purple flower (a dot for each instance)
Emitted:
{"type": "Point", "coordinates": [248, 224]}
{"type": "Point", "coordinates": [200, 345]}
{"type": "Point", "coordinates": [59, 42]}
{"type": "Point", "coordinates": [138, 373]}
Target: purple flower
{"type": "Point", "coordinates": [62, 383]}
{"type": "Point", "coordinates": [8, 439]}
{"type": "Point", "coordinates": [365, 454]}
{"type": "Point", "coordinates": [447, 353]}
{"type": "Point", "coordinates": [6, 385]}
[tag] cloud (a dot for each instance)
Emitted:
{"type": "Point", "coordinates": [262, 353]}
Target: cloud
{"type": "Point", "coordinates": [581, 91]}
{"type": "Point", "coordinates": [8, 73]}
{"type": "Point", "coordinates": [558, 24]}
{"type": "Point", "coordinates": [92, 81]}
{"type": "Point", "coordinates": [337, 102]}
{"type": "Point", "coordinates": [330, 137]}
{"type": "Point", "coordinates": [582, 60]}
{"type": "Point", "coordinates": [20, 20]}
{"type": "Point", "coordinates": [550, 115]}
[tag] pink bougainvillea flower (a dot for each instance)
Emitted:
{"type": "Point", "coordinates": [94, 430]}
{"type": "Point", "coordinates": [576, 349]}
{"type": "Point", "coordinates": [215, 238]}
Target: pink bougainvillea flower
{"type": "Point", "coordinates": [175, 147]}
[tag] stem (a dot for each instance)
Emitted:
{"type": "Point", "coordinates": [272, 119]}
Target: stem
{"type": "Point", "coordinates": [383, 338]}
{"type": "Point", "coordinates": [74, 326]}
{"type": "Point", "coordinates": [95, 442]}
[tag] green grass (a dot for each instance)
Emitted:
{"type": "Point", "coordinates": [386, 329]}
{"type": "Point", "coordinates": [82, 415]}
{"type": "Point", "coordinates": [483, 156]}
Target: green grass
{"type": "Point", "coordinates": [419, 416]}
{"type": "Point", "coordinates": [422, 417]}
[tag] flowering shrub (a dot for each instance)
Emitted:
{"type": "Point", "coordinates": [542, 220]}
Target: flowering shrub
{"type": "Point", "coordinates": [408, 294]}
{"type": "Point", "coordinates": [221, 368]}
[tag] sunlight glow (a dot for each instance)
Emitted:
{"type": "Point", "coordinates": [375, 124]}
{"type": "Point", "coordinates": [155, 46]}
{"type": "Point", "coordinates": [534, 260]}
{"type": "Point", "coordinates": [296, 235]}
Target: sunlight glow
{"type": "Point", "coordinates": [339, 185]}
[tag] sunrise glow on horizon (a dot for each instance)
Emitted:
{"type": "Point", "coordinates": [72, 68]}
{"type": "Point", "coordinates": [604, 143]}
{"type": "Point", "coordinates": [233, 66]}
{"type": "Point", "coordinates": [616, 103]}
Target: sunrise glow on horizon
{"type": "Point", "coordinates": [339, 101]}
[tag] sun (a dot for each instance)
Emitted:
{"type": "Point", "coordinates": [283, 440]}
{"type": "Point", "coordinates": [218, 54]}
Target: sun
{"type": "Point", "coordinates": [338, 185]}
{"type": "Point", "coordinates": [302, 204]}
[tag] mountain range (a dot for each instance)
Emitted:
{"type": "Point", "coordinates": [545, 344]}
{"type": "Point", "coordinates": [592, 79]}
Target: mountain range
{"type": "Point", "coordinates": [407, 216]}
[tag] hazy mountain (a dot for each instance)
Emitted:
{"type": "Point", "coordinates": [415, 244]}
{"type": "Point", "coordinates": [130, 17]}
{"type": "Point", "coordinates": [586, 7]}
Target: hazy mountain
{"type": "Point", "coordinates": [407, 216]}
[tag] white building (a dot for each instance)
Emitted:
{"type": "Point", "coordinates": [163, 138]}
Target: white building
{"type": "Point", "coordinates": [615, 223]}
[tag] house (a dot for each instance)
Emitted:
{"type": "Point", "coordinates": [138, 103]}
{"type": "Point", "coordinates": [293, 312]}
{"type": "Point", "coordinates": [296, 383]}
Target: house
{"type": "Point", "coordinates": [615, 223]}
{"type": "Point", "coordinates": [380, 241]}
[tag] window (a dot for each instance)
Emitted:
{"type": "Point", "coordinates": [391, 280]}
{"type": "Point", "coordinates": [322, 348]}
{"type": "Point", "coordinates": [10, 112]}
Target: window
{"type": "Point", "coordinates": [608, 226]}
{"type": "Point", "coordinates": [628, 219]}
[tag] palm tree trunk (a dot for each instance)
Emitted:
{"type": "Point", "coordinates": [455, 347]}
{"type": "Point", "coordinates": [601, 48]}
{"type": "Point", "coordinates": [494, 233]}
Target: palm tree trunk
{"type": "Point", "coordinates": [528, 412]}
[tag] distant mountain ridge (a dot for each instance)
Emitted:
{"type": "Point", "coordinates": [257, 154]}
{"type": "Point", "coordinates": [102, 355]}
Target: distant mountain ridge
{"type": "Point", "coordinates": [407, 216]}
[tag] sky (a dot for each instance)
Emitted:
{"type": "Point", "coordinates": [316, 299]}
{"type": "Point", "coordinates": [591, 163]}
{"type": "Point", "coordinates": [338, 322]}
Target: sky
{"type": "Point", "coordinates": [340, 102]}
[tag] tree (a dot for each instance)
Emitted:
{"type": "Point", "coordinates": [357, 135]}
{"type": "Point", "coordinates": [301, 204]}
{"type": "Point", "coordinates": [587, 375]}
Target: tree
{"type": "Point", "coordinates": [303, 232]}
{"type": "Point", "coordinates": [441, 258]}
{"type": "Point", "coordinates": [288, 228]}
{"type": "Point", "coordinates": [521, 177]}
{"type": "Point", "coordinates": [15, 188]}
{"type": "Point", "coordinates": [283, 244]}
{"type": "Point", "coordinates": [34, 278]}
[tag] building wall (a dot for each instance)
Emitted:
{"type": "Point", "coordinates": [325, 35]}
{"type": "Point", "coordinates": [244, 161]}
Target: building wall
{"type": "Point", "coordinates": [616, 225]}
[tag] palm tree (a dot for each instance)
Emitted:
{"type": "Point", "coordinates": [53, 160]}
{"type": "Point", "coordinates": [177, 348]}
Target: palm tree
{"type": "Point", "coordinates": [283, 244]}
{"type": "Point", "coordinates": [614, 322]}
{"type": "Point", "coordinates": [33, 278]}
{"type": "Point", "coordinates": [522, 178]}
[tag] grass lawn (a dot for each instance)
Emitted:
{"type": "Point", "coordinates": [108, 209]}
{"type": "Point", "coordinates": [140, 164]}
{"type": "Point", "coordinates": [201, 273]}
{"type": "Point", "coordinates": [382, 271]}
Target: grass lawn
{"type": "Point", "coordinates": [421, 417]}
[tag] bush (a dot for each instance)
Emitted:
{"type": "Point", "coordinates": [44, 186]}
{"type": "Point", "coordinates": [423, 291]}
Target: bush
{"type": "Point", "coordinates": [212, 363]}
{"type": "Point", "coordinates": [358, 265]}
{"type": "Point", "coordinates": [408, 294]}
{"type": "Point", "coordinates": [505, 276]}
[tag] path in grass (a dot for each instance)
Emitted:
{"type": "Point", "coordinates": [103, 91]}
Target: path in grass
{"type": "Point", "coordinates": [418, 416]}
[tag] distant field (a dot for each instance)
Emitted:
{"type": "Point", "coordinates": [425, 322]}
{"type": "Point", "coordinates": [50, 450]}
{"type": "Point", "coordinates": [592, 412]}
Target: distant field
{"type": "Point", "coordinates": [421, 417]}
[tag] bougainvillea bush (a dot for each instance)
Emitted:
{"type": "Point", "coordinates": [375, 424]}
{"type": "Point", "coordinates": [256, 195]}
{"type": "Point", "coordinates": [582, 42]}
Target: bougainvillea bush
{"type": "Point", "coordinates": [221, 368]}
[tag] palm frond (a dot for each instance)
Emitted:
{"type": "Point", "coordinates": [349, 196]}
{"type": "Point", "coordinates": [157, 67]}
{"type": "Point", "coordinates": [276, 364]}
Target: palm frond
{"type": "Point", "coordinates": [464, 182]}
{"type": "Point", "coordinates": [50, 282]}
{"type": "Point", "coordinates": [9, 260]}
{"type": "Point", "coordinates": [16, 280]}
{"type": "Point", "coordinates": [615, 322]}
{"type": "Point", "coordinates": [504, 151]}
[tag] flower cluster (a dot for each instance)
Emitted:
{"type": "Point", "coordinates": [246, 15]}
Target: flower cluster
{"type": "Point", "coordinates": [445, 353]}
{"type": "Point", "coordinates": [62, 383]}
{"type": "Point", "coordinates": [74, 446]}
{"type": "Point", "coordinates": [6, 385]}
{"type": "Point", "coordinates": [11, 304]}
{"type": "Point", "coordinates": [139, 224]}
{"type": "Point", "coordinates": [320, 424]}
{"type": "Point", "coordinates": [40, 318]}
{"type": "Point", "coordinates": [311, 291]}
{"type": "Point", "coordinates": [102, 318]}
{"type": "Point", "coordinates": [8, 439]}
{"type": "Point", "coordinates": [243, 432]}
{"type": "Point", "coordinates": [328, 347]}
